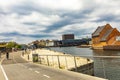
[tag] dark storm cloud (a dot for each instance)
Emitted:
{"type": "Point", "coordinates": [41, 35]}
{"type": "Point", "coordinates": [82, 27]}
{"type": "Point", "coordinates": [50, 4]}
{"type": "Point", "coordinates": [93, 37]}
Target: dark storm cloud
{"type": "Point", "coordinates": [72, 18]}
{"type": "Point", "coordinates": [30, 23]}
{"type": "Point", "coordinates": [57, 25]}
{"type": "Point", "coordinates": [107, 18]}
{"type": "Point", "coordinates": [13, 34]}
{"type": "Point", "coordinates": [32, 18]}
{"type": "Point", "coordinates": [23, 9]}
{"type": "Point", "coordinates": [28, 8]}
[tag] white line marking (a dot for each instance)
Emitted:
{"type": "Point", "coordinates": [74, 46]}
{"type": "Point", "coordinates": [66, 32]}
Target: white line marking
{"type": "Point", "coordinates": [6, 78]}
{"type": "Point", "coordinates": [37, 72]}
{"type": "Point", "coordinates": [46, 76]}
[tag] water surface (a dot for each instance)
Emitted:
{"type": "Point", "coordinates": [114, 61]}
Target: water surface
{"type": "Point", "coordinates": [104, 67]}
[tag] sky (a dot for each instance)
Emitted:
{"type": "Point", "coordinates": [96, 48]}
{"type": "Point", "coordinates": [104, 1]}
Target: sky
{"type": "Point", "coordinates": [24, 21]}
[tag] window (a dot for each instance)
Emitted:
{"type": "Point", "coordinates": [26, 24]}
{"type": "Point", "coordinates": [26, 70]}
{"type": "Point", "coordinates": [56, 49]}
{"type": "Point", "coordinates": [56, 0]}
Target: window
{"type": "Point", "coordinates": [117, 38]}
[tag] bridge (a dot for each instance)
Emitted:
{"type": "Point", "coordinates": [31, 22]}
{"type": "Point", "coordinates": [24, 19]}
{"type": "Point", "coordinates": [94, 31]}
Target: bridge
{"type": "Point", "coordinates": [16, 68]}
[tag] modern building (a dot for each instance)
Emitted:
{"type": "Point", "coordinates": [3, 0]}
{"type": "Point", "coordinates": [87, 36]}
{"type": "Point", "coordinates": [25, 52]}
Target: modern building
{"type": "Point", "coordinates": [51, 43]}
{"type": "Point", "coordinates": [67, 36]}
{"type": "Point", "coordinates": [69, 40]}
{"type": "Point", "coordinates": [105, 36]}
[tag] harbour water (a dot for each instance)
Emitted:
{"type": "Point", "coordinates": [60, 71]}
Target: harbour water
{"type": "Point", "coordinates": [105, 67]}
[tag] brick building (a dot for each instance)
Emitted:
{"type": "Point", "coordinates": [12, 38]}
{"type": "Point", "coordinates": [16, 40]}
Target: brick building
{"type": "Point", "coordinates": [105, 36]}
{"type": "Point", "coordinates": [67, 36]}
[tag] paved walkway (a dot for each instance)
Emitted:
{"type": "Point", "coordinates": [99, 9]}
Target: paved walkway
{"type": "Point", "coordinates": [1, 74]}
{"type": "Point", "coordinates": [2, 77]}
{"type": "Point", "coordinates": [17, 68]}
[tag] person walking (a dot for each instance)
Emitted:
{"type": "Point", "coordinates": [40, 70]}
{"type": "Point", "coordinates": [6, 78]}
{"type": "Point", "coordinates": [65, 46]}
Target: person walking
{"type": "Point", "coordinates": [7, 55]}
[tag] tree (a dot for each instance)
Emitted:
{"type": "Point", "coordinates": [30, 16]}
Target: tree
{"type": "Point", "coordinates": [11, 45]}
{"type": "Point", "coordinates": [18, 46]}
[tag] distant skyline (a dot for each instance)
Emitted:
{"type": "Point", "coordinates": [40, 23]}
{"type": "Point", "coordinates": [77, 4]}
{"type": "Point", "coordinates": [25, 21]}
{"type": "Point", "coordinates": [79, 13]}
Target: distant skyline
{"type": "Point", "coordinates": [26, 20]}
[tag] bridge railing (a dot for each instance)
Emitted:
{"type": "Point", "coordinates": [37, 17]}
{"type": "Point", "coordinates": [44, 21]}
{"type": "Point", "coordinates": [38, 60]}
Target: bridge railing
{"type": "Point", "coordinates": [67, 62]}
{"type": "Point", "coordinates": [101, 66]}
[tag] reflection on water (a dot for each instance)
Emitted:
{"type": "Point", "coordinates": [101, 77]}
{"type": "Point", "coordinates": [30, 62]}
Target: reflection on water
{"type": "Point", "coordinates": [73, 50]}
{"type": "Point", "coordinates": [104, 67]}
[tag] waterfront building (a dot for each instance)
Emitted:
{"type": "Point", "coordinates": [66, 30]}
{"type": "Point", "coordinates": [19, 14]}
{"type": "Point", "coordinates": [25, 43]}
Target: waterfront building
{"type": "Point", "coordinates": [37, 44]}
{"type": "Point", "coordinates": [49, 43]}
{"type": "Point", "coordinates": [75, 42]}
{"type": "Point", "coordinates": [53, 43]}
{"type": "Point", "coordinates": [105, 36]}
{"type": "Point", "coordinates": [67, 36]}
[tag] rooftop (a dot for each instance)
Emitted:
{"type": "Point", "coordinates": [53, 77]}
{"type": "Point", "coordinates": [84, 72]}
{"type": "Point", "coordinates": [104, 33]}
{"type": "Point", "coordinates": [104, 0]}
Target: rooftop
{"type": "Point", "coordinates": [106, 34]}
{"type": "Point", "coordinates": [97, 31]}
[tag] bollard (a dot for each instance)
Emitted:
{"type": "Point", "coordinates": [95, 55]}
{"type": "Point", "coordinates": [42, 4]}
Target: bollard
{"type": "Point", "coordinates": [75, 64]}
{"type": "Point", "coordinates": [52, 61]}
{"type": "Point", "coordinates": [47, 60]}
{"type": "Point", "coordinates": [58, 61]}
{"type": "Point", "coordinates": [66, 62]}
{"type": "Point", "coordinates": [40, 60]}
{"type": "Point", "coordinates": [28, 57]}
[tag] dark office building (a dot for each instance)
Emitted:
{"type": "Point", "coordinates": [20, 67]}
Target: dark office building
{"type": "Point", "coordinates": [74, 42]}
{"type": "Point", "coordinates": [67, 36]}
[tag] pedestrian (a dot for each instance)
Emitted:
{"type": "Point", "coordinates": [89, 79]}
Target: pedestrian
{"type": "Point", "coordinates": [22, 53]}
{"type": "Point", "coordinates": [7, 55]}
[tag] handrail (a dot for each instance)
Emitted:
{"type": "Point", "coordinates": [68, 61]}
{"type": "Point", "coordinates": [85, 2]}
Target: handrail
{"type": "Point", "coordinates": [85, 56]}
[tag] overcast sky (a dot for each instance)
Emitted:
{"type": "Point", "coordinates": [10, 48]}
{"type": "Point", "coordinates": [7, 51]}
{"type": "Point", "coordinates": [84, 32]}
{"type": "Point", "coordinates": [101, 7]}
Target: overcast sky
{"type": "Point", "coordinates": [26, 20]}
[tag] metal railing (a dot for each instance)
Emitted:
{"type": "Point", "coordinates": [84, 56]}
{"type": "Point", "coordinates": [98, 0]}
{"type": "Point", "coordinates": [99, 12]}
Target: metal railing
{"type": "Point", "coordinates": [68, 62]}
{"type": "Point", "coordinates": [104, 66]}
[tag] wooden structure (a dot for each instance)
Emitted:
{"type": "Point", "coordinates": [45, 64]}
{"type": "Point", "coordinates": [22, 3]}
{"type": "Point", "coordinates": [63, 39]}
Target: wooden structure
{"type": "Point", "coordinates": [105, 36]}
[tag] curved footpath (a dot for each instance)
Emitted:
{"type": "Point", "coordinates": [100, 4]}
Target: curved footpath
{"type": "Point", "coordinates": [16, 68]}
{"type": "Point", "coordinates": [1, 69]}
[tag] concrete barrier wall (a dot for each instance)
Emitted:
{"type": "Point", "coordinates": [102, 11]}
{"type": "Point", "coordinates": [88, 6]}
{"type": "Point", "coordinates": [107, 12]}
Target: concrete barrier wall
{"type": "Point", "coordinates": [85, 69]}
{"type": "Point", "coordinates": [72, 63]}
{"type": "Point", "coordinates": [61, 61]}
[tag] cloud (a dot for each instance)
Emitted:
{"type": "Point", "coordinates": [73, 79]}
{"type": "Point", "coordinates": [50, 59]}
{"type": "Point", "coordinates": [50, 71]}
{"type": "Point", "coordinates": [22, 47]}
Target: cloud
{"type": "Point", "coordinates": [27, 20]}
{"type": "Point", "coordinates": [60, 5]}
{"type": "Point", "coordinates": [41, 19]}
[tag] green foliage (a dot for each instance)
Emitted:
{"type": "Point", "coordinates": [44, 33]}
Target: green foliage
{"type": "Point", "coordinates": [35, 59]}
{"type": "Point", "coordinates": [13, 45]}
{"type": "Point", "coordinates": [18, 46]}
